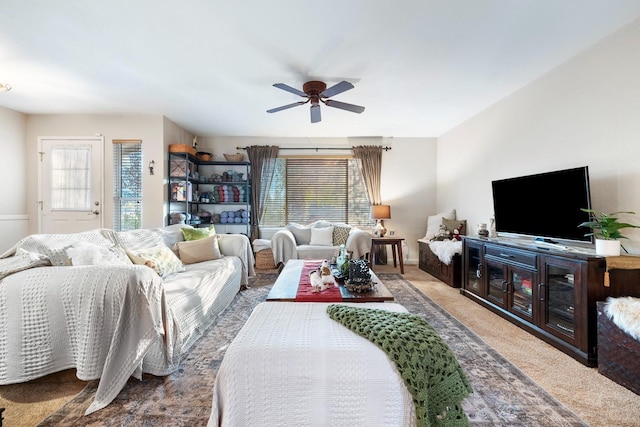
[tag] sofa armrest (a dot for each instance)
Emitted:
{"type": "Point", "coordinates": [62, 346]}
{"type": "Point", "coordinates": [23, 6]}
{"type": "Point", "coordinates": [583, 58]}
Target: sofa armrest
{"type": "Point", "coordinates": [240, 246]}
{"type": "Point", "coordinates": [358, 243]}
{"type": "Point", "coordinates": [283, 245]}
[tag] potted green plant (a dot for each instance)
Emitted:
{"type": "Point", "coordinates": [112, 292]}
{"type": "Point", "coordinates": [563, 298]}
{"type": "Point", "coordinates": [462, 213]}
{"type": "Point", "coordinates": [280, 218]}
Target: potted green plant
{"type": "Point", "coordinates": [606, 229]}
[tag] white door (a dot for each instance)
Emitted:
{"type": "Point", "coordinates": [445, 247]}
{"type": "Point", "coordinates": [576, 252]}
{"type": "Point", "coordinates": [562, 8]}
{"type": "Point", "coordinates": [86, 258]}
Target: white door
{"type": "Point", "coordinates": [70, 184]}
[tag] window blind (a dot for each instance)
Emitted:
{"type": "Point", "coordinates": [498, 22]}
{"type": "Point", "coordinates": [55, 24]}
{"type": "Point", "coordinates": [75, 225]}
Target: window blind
{"type": "Point", "coordinates": [304, 190]}
{"type": "Point", "coordinates": [317, 189]}
{"type": "Point", "coordinates": [127, 155]}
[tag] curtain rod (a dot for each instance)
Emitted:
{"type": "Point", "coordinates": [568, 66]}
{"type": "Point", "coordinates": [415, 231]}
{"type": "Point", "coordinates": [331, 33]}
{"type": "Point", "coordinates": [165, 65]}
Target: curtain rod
{"type": "Point", "coordinates": [314, 148]}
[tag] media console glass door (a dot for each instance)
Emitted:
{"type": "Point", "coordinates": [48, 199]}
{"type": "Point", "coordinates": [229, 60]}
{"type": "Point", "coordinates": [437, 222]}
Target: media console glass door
{"type": "Point", "coordinates": [558, 297]}
{"type": "Point", "coordinates": [473, 268]}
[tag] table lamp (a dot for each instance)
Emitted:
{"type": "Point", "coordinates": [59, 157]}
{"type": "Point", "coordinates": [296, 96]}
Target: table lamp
{"type": "Point", "coordinates": [380, 213]}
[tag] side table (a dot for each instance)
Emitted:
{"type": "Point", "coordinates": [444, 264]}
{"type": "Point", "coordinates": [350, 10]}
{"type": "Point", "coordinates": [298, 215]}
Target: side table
{"type": "Point", "coordinates": [396, 249]}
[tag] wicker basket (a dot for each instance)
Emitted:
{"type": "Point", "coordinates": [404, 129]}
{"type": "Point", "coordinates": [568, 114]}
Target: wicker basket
{"type": "Point", "coordinates": [264, 260]}
{"type": "Point", "coordinates": [203, 155]}
{"type": "Point", "coordinates": [182, 148]}
{"type": "Point", "coordinates": [238, 157]}
{"type": "Point", "coordinates": [618, 353]}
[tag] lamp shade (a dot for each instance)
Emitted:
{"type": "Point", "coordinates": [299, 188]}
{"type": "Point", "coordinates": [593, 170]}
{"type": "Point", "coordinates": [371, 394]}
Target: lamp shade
{"type": "Point", "coordinates": [381, 212]}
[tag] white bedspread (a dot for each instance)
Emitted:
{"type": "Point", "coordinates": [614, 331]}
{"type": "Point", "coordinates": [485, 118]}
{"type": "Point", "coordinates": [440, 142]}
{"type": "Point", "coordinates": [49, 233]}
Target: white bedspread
{"type": "Point", "coordinates": [291, 365]}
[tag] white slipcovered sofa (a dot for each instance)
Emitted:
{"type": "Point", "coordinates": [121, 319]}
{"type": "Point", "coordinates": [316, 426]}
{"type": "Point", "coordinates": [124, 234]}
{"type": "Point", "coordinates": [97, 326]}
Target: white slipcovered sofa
{"type": "Point", "coordinates": [318, 240]}
{"type": "Point", "coordinates": [113, 304]}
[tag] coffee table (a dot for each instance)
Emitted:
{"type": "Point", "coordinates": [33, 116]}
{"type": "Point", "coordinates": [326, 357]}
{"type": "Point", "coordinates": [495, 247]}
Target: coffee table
{"type": "Point", "coordinates": [286, 286]}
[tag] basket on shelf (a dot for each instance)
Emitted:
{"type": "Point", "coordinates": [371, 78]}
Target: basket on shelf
{"type": "Point", "coordinates": [238, 157]}
{"type": "Point", "coordinates": [182, 148]}
{"type": "Point", "coordinates": [203, 155]}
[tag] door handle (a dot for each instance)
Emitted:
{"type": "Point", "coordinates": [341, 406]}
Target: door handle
{"type": "Point", "coordinates": [541, 291]}
{"type": "Point", "coordinates": [96, 212]}
{"type": "Point", "coordinates": [505, 287]}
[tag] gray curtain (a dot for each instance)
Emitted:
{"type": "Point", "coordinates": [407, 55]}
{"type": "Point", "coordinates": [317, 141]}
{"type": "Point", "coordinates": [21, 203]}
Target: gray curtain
{"type": "Point", "coordinates": [370, 157]}
{"type": "Point", "coordinates": [263, 162]}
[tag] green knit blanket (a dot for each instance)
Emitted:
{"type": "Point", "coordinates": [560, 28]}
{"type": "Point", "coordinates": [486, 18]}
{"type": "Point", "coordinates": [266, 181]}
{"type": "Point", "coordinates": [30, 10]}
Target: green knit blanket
{"type": "Point", "coordinates": [427, 366]}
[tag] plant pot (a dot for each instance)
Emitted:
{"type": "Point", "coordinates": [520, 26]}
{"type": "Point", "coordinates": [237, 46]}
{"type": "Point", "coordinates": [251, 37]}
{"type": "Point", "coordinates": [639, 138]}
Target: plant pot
{"type": "Point", "coordinates": [607, 247]}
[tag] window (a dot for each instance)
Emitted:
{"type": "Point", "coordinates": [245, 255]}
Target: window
{"type": "Point", "coordinates": [308, 189]}
{"type": "Point", "coordinates": [127, 174]}
{"type": "Point", "coordinates": [71, 178]}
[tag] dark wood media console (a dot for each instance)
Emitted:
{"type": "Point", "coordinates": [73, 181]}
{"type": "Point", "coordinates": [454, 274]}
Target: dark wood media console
{"type": "Point", "coordinates": [549, 292]}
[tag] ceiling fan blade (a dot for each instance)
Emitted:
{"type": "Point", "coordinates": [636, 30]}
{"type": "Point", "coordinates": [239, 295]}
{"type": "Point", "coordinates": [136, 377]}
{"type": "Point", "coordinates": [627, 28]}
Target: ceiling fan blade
{"type": "Point", "coordinates": [344, 106]}
{"type": "Point", "coordinates": [290, 89]}
{"type": "Point", "coordinates": [343, 86]}
{"type": "Point", "coordinates": [315, 113]}
{"type": "Point", "coordinates": [284, 107]}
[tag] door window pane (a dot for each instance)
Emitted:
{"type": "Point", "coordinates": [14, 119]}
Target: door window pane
{"type": "Point", "coordinates": [71, 178]}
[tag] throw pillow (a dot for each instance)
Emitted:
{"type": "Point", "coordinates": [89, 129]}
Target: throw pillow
{"type": "Point", "coordinates": [340, 235]}
{"type": "Point", "coordinates": [301, 233]}
{"type": "Point", "coordinates": [451, 225]}
{"type": "Point", "coordinates": [434, 222]}
{"type": "Point", "coordinates": [322, 236]}
{"type": "Point", "coordinates": [160, 258]}
{"type": "Point", "coordinates": [197, 233]}
{"type": "Point", "coordinates": [206, 249]}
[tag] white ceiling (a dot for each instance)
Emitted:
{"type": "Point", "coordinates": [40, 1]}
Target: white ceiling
{"type": "Point", "coordinates": [419, 67]}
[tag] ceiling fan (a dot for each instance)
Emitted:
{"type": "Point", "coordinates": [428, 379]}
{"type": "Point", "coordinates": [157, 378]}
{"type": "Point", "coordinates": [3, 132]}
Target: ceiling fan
{"type": "Point", "coordinates": [316, 92]}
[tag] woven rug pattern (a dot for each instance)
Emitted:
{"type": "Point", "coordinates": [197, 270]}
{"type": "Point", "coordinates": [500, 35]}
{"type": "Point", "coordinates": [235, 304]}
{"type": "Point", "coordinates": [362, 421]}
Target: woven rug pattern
{"type": "Point", "coordinates": [503, 395]}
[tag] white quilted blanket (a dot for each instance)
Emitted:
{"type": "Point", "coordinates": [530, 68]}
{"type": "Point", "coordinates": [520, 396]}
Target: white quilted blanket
{"type": "Point", "coordinates": [291, 365]}
{"type": "Point", "coordinates": [105, 332]}
{"type": "Point", "coordinates": [108, 321]}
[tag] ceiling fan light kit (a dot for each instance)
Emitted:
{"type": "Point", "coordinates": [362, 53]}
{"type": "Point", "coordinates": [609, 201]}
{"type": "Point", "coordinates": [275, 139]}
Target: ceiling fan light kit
{"type": "Point", "coordinates": [317, 92]}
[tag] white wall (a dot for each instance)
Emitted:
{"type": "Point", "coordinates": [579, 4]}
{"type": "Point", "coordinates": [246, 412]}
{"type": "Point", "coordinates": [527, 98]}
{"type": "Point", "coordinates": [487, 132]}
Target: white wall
{"type": "Point", "coordinates": [146, 127]}
{"type": "Point", "coordinates": [408, 174]}
{"type": "Point", "coordinates": [13, 162]}
{"type": "Point", "coordinates": [584, 112]}
{"type": "Point", "coordinates": [409, 170]}
{"type": "Point", "coordinates": [14, 221]}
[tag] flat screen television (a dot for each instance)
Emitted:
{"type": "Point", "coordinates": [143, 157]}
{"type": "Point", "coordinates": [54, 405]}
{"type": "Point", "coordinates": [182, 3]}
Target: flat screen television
{"type": "Point", "coordinates": [545, 205]}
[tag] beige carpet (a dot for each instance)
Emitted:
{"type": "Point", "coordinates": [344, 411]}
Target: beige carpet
{"type": "Point", "coordinates": [596, 399]}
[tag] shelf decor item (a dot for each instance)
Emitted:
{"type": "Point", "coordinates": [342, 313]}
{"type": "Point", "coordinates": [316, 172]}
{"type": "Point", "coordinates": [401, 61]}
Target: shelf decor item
{"type": "Point", "coordinates": [204, 155]}
{"type": "Point", "coordinates": [182, 148]}
{"type": "Point", "coordinates": [605, 227]}
{"type": "Point", "coordinates": [482, 230]}
{"type": "Point", "coordinates": [238, 157]}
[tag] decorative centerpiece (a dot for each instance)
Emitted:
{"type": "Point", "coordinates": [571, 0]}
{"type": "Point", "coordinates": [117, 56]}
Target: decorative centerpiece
{"type": "Point", "coordinates": [359, 279]}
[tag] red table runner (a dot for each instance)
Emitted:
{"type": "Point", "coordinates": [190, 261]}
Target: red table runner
{"type": "Point", "coordinates": [305, 290]}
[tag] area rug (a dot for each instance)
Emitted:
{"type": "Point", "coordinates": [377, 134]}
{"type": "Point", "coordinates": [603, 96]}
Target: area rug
{"type": "Point", "coordinates": [503, 395]}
